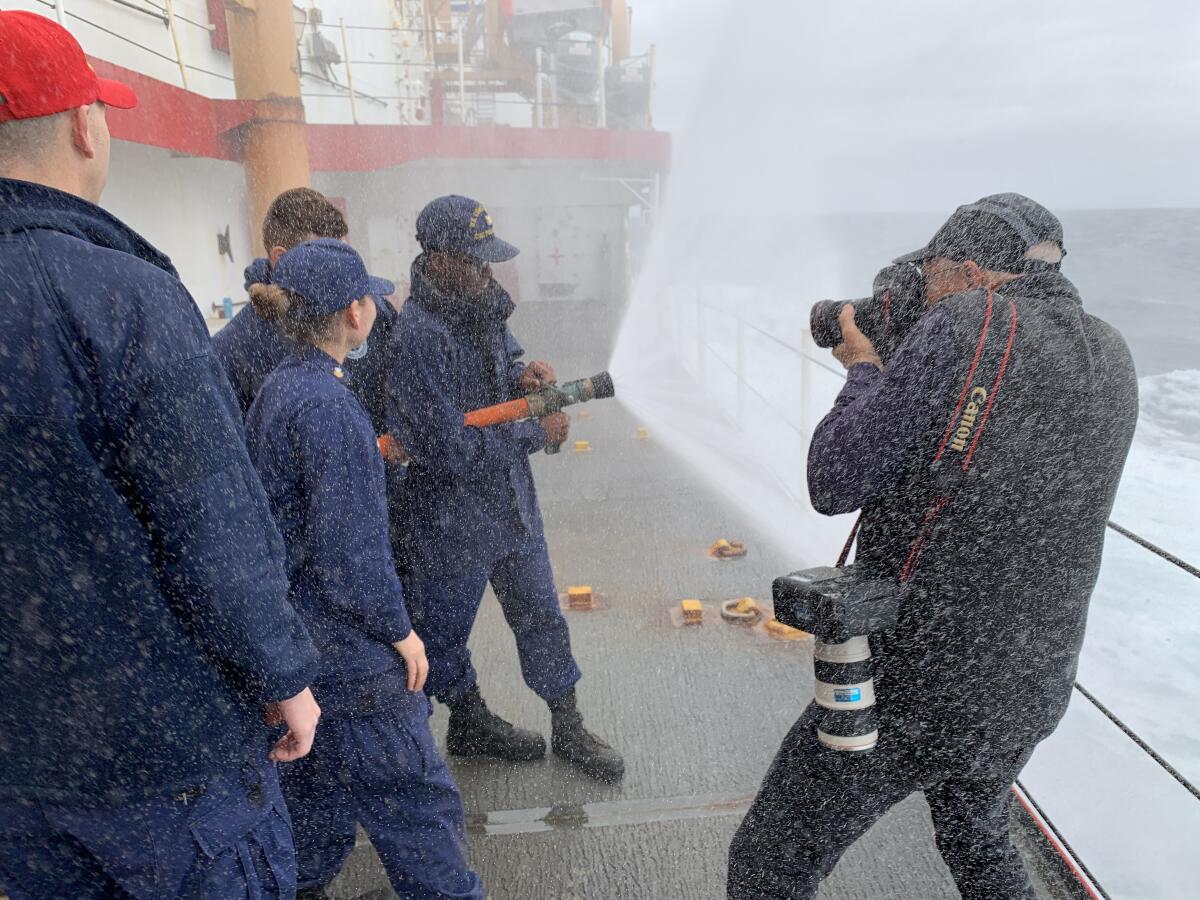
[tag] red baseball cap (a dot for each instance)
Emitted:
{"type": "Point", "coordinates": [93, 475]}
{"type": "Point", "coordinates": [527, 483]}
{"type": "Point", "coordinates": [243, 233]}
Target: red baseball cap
{"type": "Point", "coordinates": [43, 71]}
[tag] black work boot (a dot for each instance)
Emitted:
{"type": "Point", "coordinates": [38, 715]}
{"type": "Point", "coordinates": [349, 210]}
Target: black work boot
{"type": "Point", "coordinates": [477, 731]}
{"type": "Point", "coordinates": [578, 746]}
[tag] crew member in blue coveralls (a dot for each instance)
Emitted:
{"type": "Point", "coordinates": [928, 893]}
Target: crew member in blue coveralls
{"type": "Point", "coordinates": [374, 760]}
{"type": "Point", "coordinates": [468, 513]}
{"type": "Point", "coordinates": [144, 622]}
{"type": "Point", "coordinates": [253, 344]}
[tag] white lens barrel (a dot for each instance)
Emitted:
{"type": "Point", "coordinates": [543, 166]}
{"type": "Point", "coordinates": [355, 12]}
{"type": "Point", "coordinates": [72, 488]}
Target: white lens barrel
{"type": "Point", "coordinates": [845, 691]}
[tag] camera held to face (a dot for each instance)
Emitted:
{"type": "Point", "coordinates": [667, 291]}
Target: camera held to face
{"type": "Point", "coordinates": [841, 609]}
{"type": "Point", "coordinates": [897, 301]}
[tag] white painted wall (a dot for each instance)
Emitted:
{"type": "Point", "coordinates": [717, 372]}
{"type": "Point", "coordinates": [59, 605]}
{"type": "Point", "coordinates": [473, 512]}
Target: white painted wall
{"type": "Point", "coordinates": [544, 208]}
{"type": "Point", "coordinates": [140, 42]}
{"type": "Point", "coordinates": [179, 204]}
{"type": "Point", "coordinates": [387, 65]}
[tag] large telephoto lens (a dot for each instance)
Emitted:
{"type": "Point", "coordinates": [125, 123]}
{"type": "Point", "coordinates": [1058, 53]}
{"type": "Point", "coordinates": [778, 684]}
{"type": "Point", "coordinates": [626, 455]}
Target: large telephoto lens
{"type": "Point", "coordinates": [845, 691]}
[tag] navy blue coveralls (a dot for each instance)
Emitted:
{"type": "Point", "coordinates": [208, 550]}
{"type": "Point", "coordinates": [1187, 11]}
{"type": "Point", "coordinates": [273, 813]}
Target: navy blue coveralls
{"type": "Point", "coordinates": [468, 513]}
{"type": "Point", "coordinates": [374, 760]}
{"type": "Point", "coordinates": [249, 348]}
{"type": "Point", "coordinates": [144, 620]}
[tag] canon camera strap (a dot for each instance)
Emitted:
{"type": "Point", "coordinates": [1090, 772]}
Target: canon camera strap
{"type": "Point", "coordinates": [960, 441]}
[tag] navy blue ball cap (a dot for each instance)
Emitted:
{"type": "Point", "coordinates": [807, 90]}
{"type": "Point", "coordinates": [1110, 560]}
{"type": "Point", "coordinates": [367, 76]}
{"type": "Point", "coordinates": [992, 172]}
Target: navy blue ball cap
{"type": "Point", "coordinates": [381, 287]}
{"type": "Point", "coordinates": [456, 224]}
{"type": "Point", "coordinates": [328, 274]}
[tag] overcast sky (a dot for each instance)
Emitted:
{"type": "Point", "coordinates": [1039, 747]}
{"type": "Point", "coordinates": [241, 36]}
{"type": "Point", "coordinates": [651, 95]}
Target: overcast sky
{"type": "Point", "coordinates": [922, 104]}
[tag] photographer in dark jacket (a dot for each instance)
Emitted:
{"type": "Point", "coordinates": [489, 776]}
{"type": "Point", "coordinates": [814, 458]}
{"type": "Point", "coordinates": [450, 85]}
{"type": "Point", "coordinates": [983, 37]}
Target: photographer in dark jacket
{"type": "Point", "coordinates": [985, 458]}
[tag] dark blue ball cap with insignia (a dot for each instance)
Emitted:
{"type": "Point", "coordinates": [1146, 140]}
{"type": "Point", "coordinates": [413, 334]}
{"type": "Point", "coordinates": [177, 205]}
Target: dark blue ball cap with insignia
{"type": "Point", "coordinates": [329, 275]}
{"type": "Point", "coordinates": [456, 224]}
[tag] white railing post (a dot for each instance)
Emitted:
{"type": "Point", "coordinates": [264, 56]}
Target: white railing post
{"type": "Point", "coordinates": [539, 98]}
{"type": "Point", "coordinates": [175, 40]}
{"type": "Point", "coordinates": [462, 76]}
{"type": "Point", "coordinates": [349, 72]}
{"type": "Point", "coordinates": [602, 117]}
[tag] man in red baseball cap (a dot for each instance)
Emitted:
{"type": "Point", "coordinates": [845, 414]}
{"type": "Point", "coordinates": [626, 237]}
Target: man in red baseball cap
{"type": "Point", "coordinates": [144, 621]}
{"type": "Point", "coordinates": [49, 92]}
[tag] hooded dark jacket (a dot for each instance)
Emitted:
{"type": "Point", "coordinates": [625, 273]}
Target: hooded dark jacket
{"type": "Point", "coordinates": [989, 636]}
{"type": "Point", "coordinates": [469, 497]}
{"type": "Point", "coordinates": [144, 619]}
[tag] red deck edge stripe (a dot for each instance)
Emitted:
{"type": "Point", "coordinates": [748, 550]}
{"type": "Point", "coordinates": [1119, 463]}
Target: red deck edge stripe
{"type": "Point", "coordinates": [1084, 881]}
{"type": "Point", "coordinates": [175, 119]}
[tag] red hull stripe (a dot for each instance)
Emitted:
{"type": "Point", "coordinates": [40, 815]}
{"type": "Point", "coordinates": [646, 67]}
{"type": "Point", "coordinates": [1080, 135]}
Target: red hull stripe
{"type": "Point", "coordinates": [174, 119]}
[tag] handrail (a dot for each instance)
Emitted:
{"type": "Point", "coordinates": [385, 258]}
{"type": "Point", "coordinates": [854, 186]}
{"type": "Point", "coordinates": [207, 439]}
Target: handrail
{"type": "Point", "coordinates": [140, 46]}
{"type": "Point", "coordinates": [1050, 832]}
{"type": "Point", "coordinates": [1155, 549]}
{"type": "Point", "coordinates": [1129, 733]}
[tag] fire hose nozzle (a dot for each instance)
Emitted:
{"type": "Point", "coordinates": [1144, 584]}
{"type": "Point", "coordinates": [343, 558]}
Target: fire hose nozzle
{"type": "Point", "coordinates": [543, 402]}
{"type": "Point", "coordinates": [553, 397]}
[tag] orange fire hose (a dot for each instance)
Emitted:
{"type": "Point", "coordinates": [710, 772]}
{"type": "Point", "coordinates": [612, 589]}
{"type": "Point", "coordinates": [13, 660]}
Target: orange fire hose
{"type": "Point", "coordinates": [549, 399]}
{"type": "Point", "coordinates": [512, 411]}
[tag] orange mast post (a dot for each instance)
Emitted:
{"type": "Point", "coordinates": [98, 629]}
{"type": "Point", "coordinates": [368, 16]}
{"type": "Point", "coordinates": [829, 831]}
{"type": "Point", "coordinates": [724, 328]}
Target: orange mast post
{"type": "Point", "coordinates": [262, 47]}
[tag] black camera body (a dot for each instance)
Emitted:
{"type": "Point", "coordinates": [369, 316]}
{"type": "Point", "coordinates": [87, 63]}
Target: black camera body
{"type": "Point", "coordinates": [897, 301]}
{"type": "Point", "coordinates": [841, 609]}
{"type": "Point", "coordinates": [835, 604]}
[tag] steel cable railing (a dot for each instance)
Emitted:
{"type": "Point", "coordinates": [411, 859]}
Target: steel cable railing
{"type": "Point", "coordinates": [156, 11]}
{"type": "Point", "coordinates": [128, 40]}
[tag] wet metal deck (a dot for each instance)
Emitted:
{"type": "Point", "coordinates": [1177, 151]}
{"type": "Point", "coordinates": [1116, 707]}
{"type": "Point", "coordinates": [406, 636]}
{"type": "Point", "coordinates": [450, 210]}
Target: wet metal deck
{"type": "Point", "coordinates": [697, 711]}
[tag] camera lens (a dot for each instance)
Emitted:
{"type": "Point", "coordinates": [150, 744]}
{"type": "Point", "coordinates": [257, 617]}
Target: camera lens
{"type": "Point", "coordinates": [845, 691]}
{"type": "Point", "coordinates": [823, 322]}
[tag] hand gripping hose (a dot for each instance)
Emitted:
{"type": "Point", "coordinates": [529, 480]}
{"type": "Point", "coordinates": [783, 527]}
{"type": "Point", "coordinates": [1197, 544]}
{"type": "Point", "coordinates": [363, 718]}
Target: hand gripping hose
{"type": "Point", "coordinates": [543, 402]}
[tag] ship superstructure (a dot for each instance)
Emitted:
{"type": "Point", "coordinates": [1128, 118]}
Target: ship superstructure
{"type": "Point", "coordinates": [536, 107]}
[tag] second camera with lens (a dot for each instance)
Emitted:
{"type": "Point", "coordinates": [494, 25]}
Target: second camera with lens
{"type": "Point", "coordinates": [841, 608]}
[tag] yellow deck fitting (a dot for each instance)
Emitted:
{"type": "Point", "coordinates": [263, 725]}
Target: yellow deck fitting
{"type": "Point", "coordinates": [742, 610]}
{"type": "Point", "coordinates": [643, 433]}
{"type": "Point", "coordinates": [693, 612]}
{"type": "Point", "coordinates": [579, 597]}
{"type": "Point", "coordinates": [583, 447]}
{"type": "Point", "coordinates": [724, 549]}
{"type": "Point", "coordinates": [777, 629]}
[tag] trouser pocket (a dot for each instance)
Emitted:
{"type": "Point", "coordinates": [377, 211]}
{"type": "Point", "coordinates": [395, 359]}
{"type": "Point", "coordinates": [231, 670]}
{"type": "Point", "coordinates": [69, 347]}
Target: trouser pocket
{"type": "Point", "coordinates": [244, 833]}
